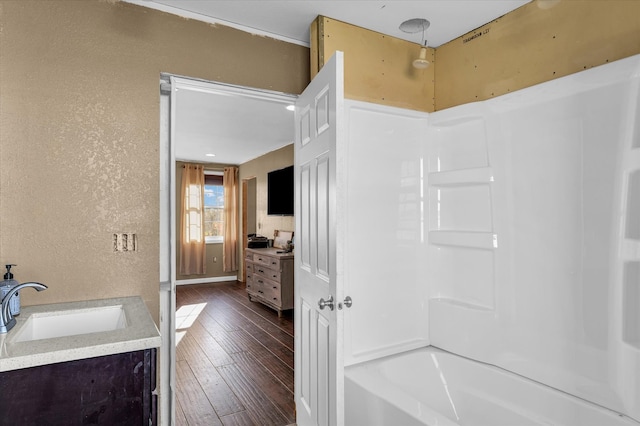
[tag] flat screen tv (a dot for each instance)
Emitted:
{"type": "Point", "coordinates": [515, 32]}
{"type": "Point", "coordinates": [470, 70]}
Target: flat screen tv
{"type": "Point", "coordinates": [280, 192]}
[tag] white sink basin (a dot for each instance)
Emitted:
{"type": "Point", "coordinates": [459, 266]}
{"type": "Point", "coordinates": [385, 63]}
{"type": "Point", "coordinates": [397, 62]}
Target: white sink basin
{"type": "Point", "coordinates": [47, 325]}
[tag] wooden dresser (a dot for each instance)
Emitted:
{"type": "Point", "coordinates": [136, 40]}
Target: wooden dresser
{"type": "Point", "coordinates": [269, 274]}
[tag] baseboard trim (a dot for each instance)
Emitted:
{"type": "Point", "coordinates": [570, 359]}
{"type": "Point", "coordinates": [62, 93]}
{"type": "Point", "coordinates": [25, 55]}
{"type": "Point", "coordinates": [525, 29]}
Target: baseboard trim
{"type": "Point", "coordinates": [207, 280]}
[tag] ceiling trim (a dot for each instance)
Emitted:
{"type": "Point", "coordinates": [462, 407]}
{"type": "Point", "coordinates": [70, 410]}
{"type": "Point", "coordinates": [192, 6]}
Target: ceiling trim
{"type": "Point", "coordinates": [198, 17]}
{"type": "Point", "coordinates": [232, 89]}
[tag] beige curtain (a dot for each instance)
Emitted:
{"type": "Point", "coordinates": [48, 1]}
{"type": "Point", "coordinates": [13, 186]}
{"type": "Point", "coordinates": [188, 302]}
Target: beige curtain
{"type": "Point", "coordinates": [230, 247]}
{"type": "Point", "coordinates": [193, 251]}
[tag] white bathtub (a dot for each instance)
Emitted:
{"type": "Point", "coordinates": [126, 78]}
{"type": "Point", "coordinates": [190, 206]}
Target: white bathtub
{"type": "Point", "coordinates": [431, 387]}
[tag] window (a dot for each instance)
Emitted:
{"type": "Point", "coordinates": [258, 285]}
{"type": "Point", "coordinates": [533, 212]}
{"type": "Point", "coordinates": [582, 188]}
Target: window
{"type": "Point", "coordinates": [213, 207]}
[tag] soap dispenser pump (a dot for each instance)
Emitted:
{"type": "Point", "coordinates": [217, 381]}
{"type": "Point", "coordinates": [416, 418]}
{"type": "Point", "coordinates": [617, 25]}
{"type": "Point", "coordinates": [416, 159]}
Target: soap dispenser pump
{"type": "Point", "coordinates": [5, 287]}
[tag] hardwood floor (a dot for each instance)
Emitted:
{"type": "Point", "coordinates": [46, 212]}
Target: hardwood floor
{"type": "Point", "coordinates": [234, 359]}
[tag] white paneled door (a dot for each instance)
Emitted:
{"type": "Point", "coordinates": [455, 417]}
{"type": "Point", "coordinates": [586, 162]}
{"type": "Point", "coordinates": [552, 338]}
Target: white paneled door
{"type": "Point", "coordinates": [319, 390]}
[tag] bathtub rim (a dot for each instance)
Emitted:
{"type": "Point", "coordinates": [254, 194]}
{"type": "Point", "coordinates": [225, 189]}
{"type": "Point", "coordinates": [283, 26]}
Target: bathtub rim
{"type": "Point", "coordinates": [364, 376]}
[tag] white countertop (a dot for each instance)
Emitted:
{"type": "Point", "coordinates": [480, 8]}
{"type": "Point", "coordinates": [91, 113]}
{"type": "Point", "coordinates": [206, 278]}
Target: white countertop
{"type": "Point", "coordinates": [140, 333]}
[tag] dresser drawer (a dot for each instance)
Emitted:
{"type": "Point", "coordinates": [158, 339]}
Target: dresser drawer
{"type": "Point", "coordinates": [251, 288]}
{"type": "Point", "coordinates": [261, 281]}
{"type": "Point", "coordinates": [268, 261]}
{"type": "Point", "coordinates": [274, 298]}
{"type": "Point", "coordinates": [270, 290]}
{"type": "Point", "coordinates": [262, 270]}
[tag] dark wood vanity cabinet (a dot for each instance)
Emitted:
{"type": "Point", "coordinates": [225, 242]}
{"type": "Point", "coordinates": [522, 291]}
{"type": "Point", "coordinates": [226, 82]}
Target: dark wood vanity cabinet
{"type": "Point", "coordinates": [107, 390]}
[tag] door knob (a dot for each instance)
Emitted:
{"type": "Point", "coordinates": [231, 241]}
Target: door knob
{"type": "Point", "coordinates": [326, 303]}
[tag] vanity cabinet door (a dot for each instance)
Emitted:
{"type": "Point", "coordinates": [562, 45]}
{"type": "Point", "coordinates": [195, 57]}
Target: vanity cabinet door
{"type": "Point", "coordinates": [107, 390]}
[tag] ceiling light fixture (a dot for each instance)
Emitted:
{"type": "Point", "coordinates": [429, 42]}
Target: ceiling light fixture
{"type": "Point", "coordinates": [291, 107]}
{"type": "Point", "coordinates": [210, 155]}
{"type": "Point", "coordinates": [413, 26]}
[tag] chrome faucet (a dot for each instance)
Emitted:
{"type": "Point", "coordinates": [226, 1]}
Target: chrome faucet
{"type": "Point", "coordinates": [7, 321]}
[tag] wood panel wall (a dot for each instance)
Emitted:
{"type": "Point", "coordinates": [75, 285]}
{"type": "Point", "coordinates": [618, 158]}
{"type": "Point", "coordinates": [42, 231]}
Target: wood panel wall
{"type": "Point", "coordinates": [378, 67]}
{"type": "Point", "coordinates": [538, 42]}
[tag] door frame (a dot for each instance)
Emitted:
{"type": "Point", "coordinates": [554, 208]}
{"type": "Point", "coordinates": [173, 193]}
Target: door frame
{"type": "Point", "coordinates": [248, 190]}
{"type": "Point", "coordinates": [167, 232]}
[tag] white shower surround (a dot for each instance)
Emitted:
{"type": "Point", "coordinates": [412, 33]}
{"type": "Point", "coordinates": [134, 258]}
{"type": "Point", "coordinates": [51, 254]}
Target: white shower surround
{"type": "Point", "coordinates": [506, 231]}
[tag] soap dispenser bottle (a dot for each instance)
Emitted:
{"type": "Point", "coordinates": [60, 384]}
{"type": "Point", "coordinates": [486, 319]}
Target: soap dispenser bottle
{"type": "Point", "coordinates": [5, 287]}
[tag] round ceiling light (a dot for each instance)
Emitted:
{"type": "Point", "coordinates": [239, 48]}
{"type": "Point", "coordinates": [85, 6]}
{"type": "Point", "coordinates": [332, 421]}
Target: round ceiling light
{"type": "Point", "coordinates": [415, 25]}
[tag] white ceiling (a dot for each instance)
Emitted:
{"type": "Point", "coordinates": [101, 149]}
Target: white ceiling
{"type": "Point", "coordinates": [239, 129]}
{"type": "Point", "coordinates": [290, 19]}
{"type": "Point", "coordinates": [229, 122]}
